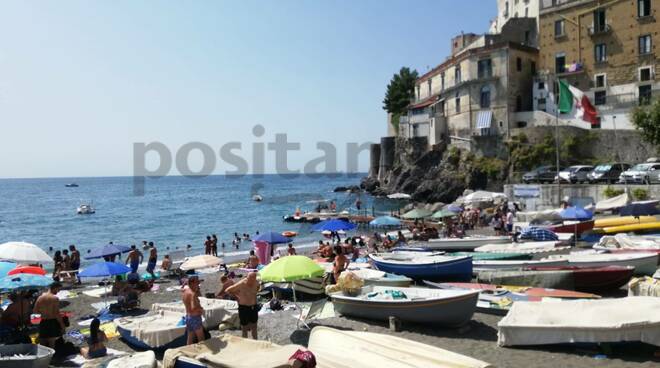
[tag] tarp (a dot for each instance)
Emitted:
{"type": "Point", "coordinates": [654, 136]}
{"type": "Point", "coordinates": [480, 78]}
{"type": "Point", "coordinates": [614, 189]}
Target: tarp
{"type": "Point", "coordinates": [613, 203]}
{"type": "Point", "coordinates": [625, 241]}
{"type": "Point", "coordinates": [644, 286]}
{"type": "Point", "coordinates": [348, 349]}
{"type": "Point", "coordinates": [575, 321]}
{"type": "Point", "coordinates": [216, 311]}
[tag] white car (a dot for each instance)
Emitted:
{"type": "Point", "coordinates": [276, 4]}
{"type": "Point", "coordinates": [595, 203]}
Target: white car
{"type": "Point", "coordinates": [575, 174]}
{"type": "Point", "coordinates": [640, 174]}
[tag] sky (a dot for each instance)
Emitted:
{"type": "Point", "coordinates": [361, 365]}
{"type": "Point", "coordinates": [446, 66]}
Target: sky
{"type": "Point", "coordinates": [81, 82]}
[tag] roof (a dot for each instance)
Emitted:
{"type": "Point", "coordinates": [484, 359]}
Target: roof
{"type": "Point", "coordinates": [427, 102]}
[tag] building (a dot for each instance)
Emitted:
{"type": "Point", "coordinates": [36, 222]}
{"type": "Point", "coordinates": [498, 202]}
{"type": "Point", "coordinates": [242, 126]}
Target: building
{"type": "Point", "coordinates": [605, 48]}
{"type": "Point", "coordinates": [478, 89]}
{"type": "Point", "coordinates": [507, 9]}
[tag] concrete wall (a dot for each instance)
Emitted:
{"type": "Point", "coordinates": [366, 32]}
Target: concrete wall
{"type": "Point", "coordinates": [549, 194]}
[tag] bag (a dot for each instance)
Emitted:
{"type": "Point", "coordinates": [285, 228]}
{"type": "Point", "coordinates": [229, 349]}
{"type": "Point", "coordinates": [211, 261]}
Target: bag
{"type": "Point", "coordinates": [275, 304]}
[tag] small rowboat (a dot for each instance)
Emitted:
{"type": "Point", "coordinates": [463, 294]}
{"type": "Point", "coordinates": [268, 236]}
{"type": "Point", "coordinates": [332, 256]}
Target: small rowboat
{"type": "Point", "coordinates": [499, 264]}
{"type": "Point", "coordinates": [644, 263]}
{"type": "Point", "coordinates": [437, 267]}
{"type": "Point", "coordinates": [289, 234]}
{"type": "Point", "coordinates": [420, 305]}
{"type": "Point", "coordinates": [465, 244]}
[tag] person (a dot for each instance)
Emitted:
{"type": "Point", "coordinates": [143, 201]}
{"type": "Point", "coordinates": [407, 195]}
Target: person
{"type": "Point", "coordinates": [509, 222]}
{"type": "Point", "coordinates": [17, 313]}
{"type": "Point", "coordinates": [166, 264]}
{"type": "Point", "coordinates": [223, 245]}
{"type": "Point", "coordinates": [358, 204]}
{"type": "Point", "coordinates": [66, 260]}
{"type": "Point", "coordinates": [253, 261]}
{"type": "Point", "coordinates": [194, 310]}
{"type": "Point", "coordinates": [134, 257]}
{"type": "Point", "coordinates": [207, 245]}
{"type": "Point", "coordinates": [52, 325]}
{"type": "Point", "coordinates": [291, 251]}
{"type": "Point", "coordinates": [95, 342]}
{"type": "Point", "coordinates": [153, 258]}
{"type": "Point", "coordinates": [248, 312]}
{"type": "Point", "coordinates": [214, 245]}
{"type": "Point", "coordinates": [75, 257]}
{"type": "Point", "coordinates": [57, 259]}
{"type": "Point", "coordinates": [340, 263]}
{"type": "Point", "coordinates": [145, 245]}
{"type": "Point", "coordinates": [118, 287]}
{"type": "Point", "coordinates": [227, 281]}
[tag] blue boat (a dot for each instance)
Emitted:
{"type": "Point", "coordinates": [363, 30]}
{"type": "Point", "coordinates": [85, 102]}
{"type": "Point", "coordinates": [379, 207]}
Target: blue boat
{"type": "Point", "coordinates": [436, 267]}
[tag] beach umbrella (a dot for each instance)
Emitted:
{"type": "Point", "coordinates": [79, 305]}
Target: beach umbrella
{"type": "Point", "coordinates": [417, 213]}
{"type": "Point", "coordinates": [32, 270]}
{"type": "Point", "coordinates": [272, 238]}
{"type": "Point", "coordinates": [454, 208]}
{"type": "Point", "coordinates": [104, 269]}
{"type": "Point", "coordinates": [24, 282]}
{"type": "Point", "coordinates": [333, 225]}
{"type": "Point", "coordinates": [443, 213]}
{"type": "Point", "coordinates": [399, 196]}
{"type": "Point", "coordinates": [21, 252]}
{"type": "Point", "coordinates": [385, 221]}
{"type": "Point", "coordinates": [107, 250]}
{"type": "Point", "coordinates": [201, 262]}
{"type": "Point", "coordinates": [575, 213]}
{"type": "Point", "coordinates": [637, 209]}
{"type": "Point", "coordinates": [5, 267]}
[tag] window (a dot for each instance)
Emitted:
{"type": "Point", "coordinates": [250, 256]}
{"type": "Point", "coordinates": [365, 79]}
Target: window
{"type": "Point", "coordinates": [533, 67]}
{"type": "Point", "coordinates": [600, 25]}
{"type": "Point", "coordinates": [600, 80]}
{"type": "Point", "coordinates": [484, 98]}
{"type": "Point", "coordinates": [644, 74]}
{"type": "Point", "coordinates": [541, 85]}
{"type": "Point", "coordinates": [643, 8]}
{"type": "Point", "coordinates": [645, 44]}
{"type": "Point", "coordinates": [560, 63]}
{"type": "Point", "coordinates": [600, 53]}
{"type": "Point", "coordinates": [526, 12]}
{"type": "Point", "coordinates": [484, 68]}
{"type": "Point", "coordinates": [429, 86]}
{"type": "Point", "coordinates": [442, 81]}
{"type": "Point", "coordinates": [506, 9]}
{"type": "Point", "coordinates": [559, 28]}
{"type": "Point", "coordinates": [600, 98]}
{"type": "Point", "coordinates": [457, 74]}
{"type": "Point", "coordinates": [519, 103]}
{"type": "Point", "coordinates": [519, 64]}
{"type": "Point", "coordinates": [457, 101]}
{"type": "Point", "coordinates": [645, 94]}
{"type": "Point", "coordinates": [541, 104]}
{"type": "Point", "coordinates": [418, 91]}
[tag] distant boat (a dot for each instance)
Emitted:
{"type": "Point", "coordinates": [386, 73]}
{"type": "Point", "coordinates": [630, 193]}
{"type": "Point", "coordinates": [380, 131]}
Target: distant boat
{"type": "Point", "coordinates": [257, 198]}
{"type": "Point", "coordinates": [85, 209]}
{"type": "Point", "coordinates": [71, 185]}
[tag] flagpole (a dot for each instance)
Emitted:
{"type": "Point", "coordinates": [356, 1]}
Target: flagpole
{"type": "Point", "coordinates": [557, 141]}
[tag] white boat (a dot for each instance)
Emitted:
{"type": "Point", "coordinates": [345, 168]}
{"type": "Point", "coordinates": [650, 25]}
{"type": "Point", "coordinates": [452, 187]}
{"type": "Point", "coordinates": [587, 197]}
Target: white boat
{"type": "Point", "coordinates": [644, 263]}
{"type": "Point", "coordinates": [464, 244]}
{"type": "Point", "coordinates": [511, 264]}
{"type": "Point", "coordinates": [581, 321]}
{"type": "Point", "coordinates": [538, 249]}
{"type": "Point", "coordinates": [257, 198]}
{"type": "Point", "coordinates": [85, 209]}
{"type": "Point", "coordinates": [625, 242]}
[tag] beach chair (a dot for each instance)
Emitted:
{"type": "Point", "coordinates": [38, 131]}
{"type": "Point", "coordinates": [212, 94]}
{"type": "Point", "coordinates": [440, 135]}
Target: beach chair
{"type": "Point", "coordinates": [69, 276]}
{"type": "Point", "coordinates": [314, 311]}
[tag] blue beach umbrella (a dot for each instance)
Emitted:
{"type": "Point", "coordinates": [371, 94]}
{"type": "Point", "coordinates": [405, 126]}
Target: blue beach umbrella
{"type": "Point", "coordinates": [107, 250]}
{"type": "Point", "coordinates": [24, 281]}
{"type": "Point", "coordinates": [333, 225]}
{"type": "Point", "coordinates": [454, 208]}
{"type": "Point", "coordinates": [104, 269]}
{"type": "Point", "coordinates": [272, 238]}
{"type": "Point", "coordinates": [6, 267]}
{"type": "Point", "coordinates": [385, 221]}
{"type": "Point", "coordinates": [575, 213]}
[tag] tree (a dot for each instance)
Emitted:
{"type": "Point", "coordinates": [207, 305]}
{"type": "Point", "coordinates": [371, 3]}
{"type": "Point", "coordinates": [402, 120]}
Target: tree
{"type": "Point", "coordinates": [400, 91]}
{"type": "Point", "coordinates": [647, 120]}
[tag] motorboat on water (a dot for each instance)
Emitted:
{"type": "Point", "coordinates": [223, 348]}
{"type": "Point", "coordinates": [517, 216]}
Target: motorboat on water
{"type": "Point", "coordinates": [71, 185]}
{"type": "Point", "coordinates": [257, 198]}
{"type": "Point", "coordinates": [85, 209]}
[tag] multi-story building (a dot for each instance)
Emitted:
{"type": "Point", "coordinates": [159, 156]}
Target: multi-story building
{"type": "Point", "coordinates": [507, 9]}
{"type": "Point", "coordinates": [478, 89]}
{"type": "Point", "coordinates": [605, 48]}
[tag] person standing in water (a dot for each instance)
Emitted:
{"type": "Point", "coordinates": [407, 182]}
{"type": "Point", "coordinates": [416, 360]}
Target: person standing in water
{"type": "Point", "coordinates": [194, 310]}
{"type": "Point", "coordinates": [248, 312]}
{"type": "Point", "coordinates": [134, 257]}
{"type": "Point", "coordinates": [214, 245]}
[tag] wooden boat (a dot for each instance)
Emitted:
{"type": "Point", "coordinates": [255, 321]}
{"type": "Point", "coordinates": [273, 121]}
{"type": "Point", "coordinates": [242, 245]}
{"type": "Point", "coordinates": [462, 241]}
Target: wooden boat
{"type": "Point", "coordinates": [465, 244]}
{"type": "Point", "coordinates": [424, 267]}
{"type": "Point", "coordinates": [624, 243]}
{"type": "Point", "coordinates": [421, 305]}
{"type": "Point", "coordinates": [575, 228]}
{"type": "Point", "coordinates": [570, 278]}
{"type": "Point", "coordinates": [581, 321]}
{"type": "Point", "coordinates": [481, 256]}
{"type": "Point", "coordinates": [374, 277]}
{"type": "Point", "coordinates": [527, 290]}
{"type": "Point", "coordinates": [644, 263]}
{"type": "Point", "coordinates": [537, 250]}
{"type": "Point", "coordinates": [645, 227]}
{"type": "Point", "coordinates": [621, 221]}
{"type": "Point", "coordinates": [499, 264]}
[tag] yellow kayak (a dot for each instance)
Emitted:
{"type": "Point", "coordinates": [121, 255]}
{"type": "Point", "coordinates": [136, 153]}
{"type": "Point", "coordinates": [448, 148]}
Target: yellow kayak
{"type": "Point", "coordinates": [621, 221]}
{"type": "Point", "coordinates": [643, 227]}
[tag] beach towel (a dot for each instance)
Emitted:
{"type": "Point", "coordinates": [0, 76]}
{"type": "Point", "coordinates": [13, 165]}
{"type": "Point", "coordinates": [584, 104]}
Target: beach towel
{"type": "Point", "coordinates": [98, 292]}
{"type": "Point", "coordinates": [145, 359]}
{"type": "Point", "coordinates": [80, 361]}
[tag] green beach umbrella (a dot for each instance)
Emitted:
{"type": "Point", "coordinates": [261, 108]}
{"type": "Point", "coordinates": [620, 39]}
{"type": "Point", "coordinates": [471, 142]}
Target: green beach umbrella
{"type": "Point", "coordinates": [291, 268]}
{"type": "Point", "coordinates": [417, 213]}
{"type": "Point", "coordinates": [443, 213]}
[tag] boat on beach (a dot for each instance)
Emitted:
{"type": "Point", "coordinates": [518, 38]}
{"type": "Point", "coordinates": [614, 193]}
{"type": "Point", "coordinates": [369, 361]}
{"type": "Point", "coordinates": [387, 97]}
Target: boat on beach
{"type": "Point", "coordinates": [380, 278]}
{"type": "Point", "coordinates": [625, 243]}
{"type": "Point", "coordinates": [25, 356]}
{"type": "Point", "coordinates": [464, 244]}
{"type": "Point", "coordinates": [644, 263]}
{"type": "Point", "coordinates": [536, 249]}
{"type": "Point", "coordinates": [437, 267]}
{"type": "Point", "coordinates": [508, 264]}
{"type": "Point", "coordinates": [420, 305]}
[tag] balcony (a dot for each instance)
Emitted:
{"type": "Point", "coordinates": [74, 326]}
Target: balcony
{"type": "Point", "coordinates": [599, 30]}
{"type": "Point", "coordinates": [419, 118]}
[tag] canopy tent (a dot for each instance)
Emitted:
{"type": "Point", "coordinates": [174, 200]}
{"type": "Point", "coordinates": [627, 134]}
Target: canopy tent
{"type": "Point", "coordinates": [21, 252]}
{"type": "Point", "coordinates": [483, 196]}
{"type": "Point", "coordinates": [443, 214]}
{"type": "Point", "coordinates": [104, 269]}
{"type": "Point", "coordinates": [24, 282]}
{"type": "Point", "coordinates": [417, 213]}
{"type": "Point", "coordinates": [33, 270]}
{"type": "Point", "coordinates": [5, 267]}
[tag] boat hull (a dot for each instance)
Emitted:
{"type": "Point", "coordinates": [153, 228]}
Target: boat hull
{"type": "Point", "coordinates": [577, 228]}
{"type": "Point", "coordinates": [499, 265]}
{"type": "Point", "coordinates": [644, 263]}
{"type": "Point", "coordinates": [464, 244]}
{"type": "Point", "coordinates": [390, 280]}
{"type": "Point", "coordinates": [455, 269]}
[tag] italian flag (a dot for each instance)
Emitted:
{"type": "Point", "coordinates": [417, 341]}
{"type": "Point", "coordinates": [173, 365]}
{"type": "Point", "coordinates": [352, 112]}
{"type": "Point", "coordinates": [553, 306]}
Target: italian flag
{"type": "Point", "coordinates": [574, 102]}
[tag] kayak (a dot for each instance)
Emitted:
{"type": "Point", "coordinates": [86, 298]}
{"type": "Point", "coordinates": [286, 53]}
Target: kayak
{"type": "Point", "coordinates": [643, 227]}
{"type": "Point", "coordinates": [623, 220]}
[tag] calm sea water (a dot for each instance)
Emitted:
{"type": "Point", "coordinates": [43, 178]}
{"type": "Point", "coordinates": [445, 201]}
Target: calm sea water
{"type": "Point", "coordinates": [174, 212]}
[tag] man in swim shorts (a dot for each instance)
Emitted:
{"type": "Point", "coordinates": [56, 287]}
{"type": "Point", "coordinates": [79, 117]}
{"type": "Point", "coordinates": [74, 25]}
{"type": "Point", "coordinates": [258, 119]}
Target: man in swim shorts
{"type": "Point", "coordinates": [134, 258]}
{"type": "Point", "coordinates": [51, 326]}
{"type": "Point", "coordinates": [194, 311]}
{"type": "Point", "coordinates": [248, 311]}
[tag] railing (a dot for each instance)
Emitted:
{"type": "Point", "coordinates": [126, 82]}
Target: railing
{"type": "Point", "coordinates": [597, 30]}
{"type": "Point", "coordinates": [419, 118]}
{"type": "Point", "coordinates": [545, 4]}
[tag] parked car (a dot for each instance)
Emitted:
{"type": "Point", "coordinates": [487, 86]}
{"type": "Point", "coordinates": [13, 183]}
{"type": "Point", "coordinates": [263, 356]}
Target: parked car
{"type": "Point", "coordinates": [574, 174]}
{"type": "Point", "coordinates": [608, 173]}
{"type": "Point", "coordinates": [542, 174]}
{"type": "Point", "coordinates": [639, 174]}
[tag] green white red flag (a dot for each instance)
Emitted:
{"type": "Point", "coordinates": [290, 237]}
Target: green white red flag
{"type": "Point", "coordinates": [575, 103]}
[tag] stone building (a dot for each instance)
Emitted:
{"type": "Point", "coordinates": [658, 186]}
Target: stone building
{"type": "Point", "coordinates": [605, 48]}
{"type": "Point", "coordinates": [507, 9]}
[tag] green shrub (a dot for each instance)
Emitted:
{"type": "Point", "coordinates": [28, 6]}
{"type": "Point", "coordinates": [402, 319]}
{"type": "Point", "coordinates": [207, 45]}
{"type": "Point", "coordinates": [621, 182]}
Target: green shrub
{"type": "Point", "coordinates": [491, 166]}
{"type": "Point", "coordinates": [640, 194]}
{"type": "Point", "coordinates": [610, 192]}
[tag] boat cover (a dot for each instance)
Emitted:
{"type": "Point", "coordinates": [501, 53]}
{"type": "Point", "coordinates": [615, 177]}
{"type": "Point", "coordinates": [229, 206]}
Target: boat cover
{"type": "Point", "coordinates": [154, 329]}
{"type": "Point", "coordinates": [613, 203]}
{"type": "Point", "coordinates": [644, 286]}
{"type": "Point", "coordinates": [233, 352]}
{"type": "Point", "coordinates": [145, 359]}
{"type": "Point", "coordinates": [625, 241]}
{"type": "Point", "coordinates": [526, 247]}
{"type": "Point", "coordinates": [216, 311]}
{"type": "Point", "coordinates": [593, 321]}
{"type": "Point", "coordinates": [347, 349]}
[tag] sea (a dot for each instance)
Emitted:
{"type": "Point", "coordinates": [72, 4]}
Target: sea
{"type": "Point", "coordinates": [174, 211]}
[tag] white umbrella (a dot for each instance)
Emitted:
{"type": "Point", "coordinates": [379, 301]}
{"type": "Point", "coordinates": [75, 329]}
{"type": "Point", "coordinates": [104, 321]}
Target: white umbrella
{"type": "Point", "coordinates": [201, 262]}
{"type": "Point", "coordinates": [21, 252]}
{"type": "Point", "coordinates": [483, 196]}
{"type": "Point", "coordinates": [399, 196]}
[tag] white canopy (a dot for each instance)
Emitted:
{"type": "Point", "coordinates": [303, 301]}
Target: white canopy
{"type": "Point", "coordinates": [482, 196]}
{"type": "Point", "coordinates": [21, 252]}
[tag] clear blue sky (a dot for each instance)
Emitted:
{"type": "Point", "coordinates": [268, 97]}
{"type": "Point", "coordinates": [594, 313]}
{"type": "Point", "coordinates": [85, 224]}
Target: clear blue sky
{"type": "Point", "coordinates": [81, 81]}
